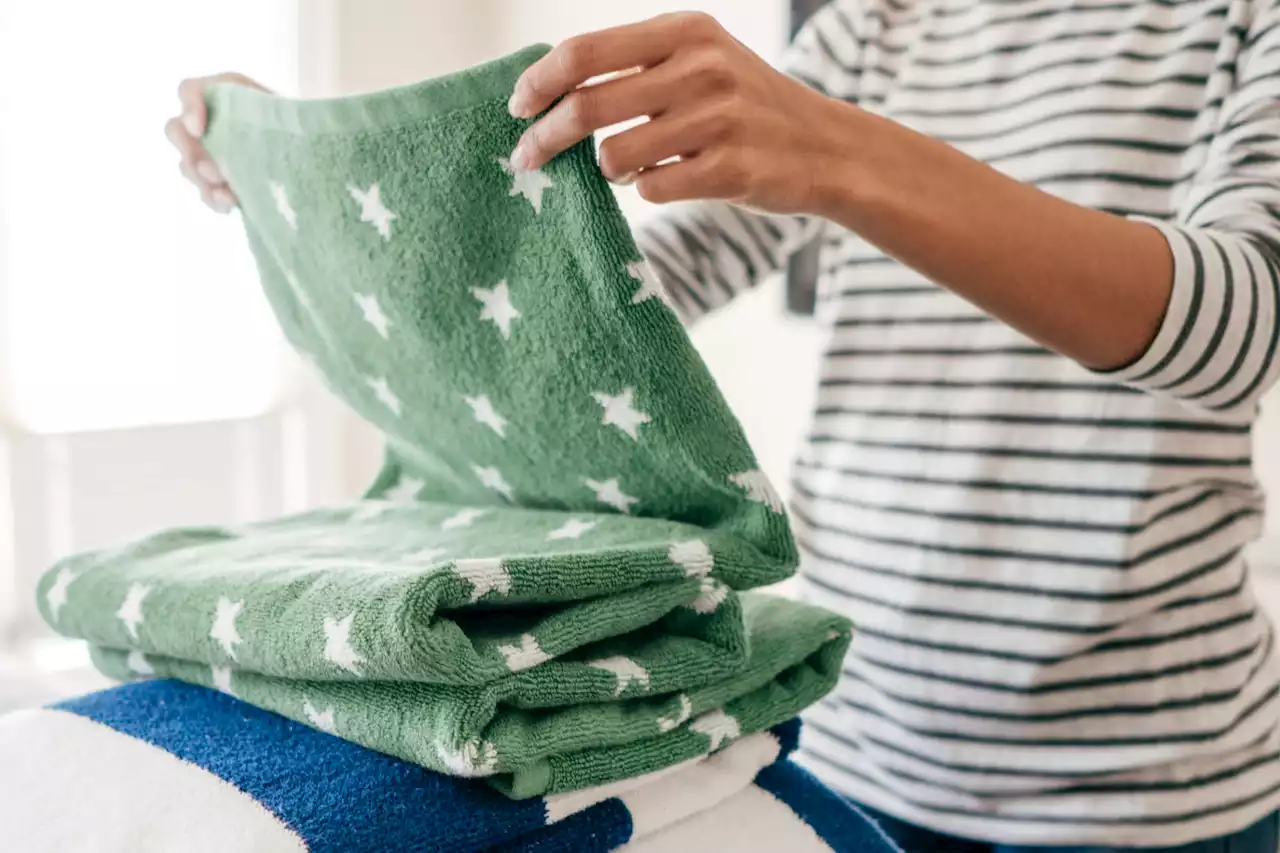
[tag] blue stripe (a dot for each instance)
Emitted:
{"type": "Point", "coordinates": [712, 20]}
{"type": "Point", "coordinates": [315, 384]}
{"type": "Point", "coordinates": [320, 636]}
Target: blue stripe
{"type": "Point", "coordinates": [838, 822]}
{"type": "Point", "coordinates": [337, 796]}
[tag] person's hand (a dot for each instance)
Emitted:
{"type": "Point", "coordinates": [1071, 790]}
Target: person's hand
{"type": "Point", "coordinates": [743, 131]}
{"type": "Point", "coordinates": [185, 130]}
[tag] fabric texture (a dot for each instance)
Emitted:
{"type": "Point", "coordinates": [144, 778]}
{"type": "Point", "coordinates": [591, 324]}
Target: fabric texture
{"type": "Point", "coordinates": [544, 584]}
{"type": "Point", "coordinates": [125, 769]}
{"type": "Point", "coordinates": [1058, 640]}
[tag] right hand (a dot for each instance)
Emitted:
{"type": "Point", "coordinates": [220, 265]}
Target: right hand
{"type": "Point", "coordinates": [184, 132]}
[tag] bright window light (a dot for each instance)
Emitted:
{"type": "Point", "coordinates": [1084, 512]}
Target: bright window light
{"type": "Point", "coordinates": [128, 302]}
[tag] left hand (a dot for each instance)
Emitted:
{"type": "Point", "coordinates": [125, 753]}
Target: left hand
{"type": "Point", "coordinates": [741, 130]}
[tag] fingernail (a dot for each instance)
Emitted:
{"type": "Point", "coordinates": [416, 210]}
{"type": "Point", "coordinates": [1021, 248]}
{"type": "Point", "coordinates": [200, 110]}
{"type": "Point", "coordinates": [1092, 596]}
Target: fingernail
{"type": "Point", "coordinates": [626, 180]}
{"type": "Point", "coordinates": [193, 124]}
{"type": "Point", "coordinates": [223, 201]}
{"type": "Point", "coordinates": [520, 157]}
{"type": "Point", "coordinates": [516, 105]}
{"type": "Point", "coordinates": [209, 171]}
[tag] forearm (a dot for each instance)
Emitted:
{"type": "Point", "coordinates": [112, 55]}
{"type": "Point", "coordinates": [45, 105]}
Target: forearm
{"type": "Point", "coordinates": [1090, 285]}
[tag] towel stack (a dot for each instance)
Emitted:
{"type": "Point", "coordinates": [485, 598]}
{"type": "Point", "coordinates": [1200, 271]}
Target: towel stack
{"type": "Point", "coordinates": [546, 586]}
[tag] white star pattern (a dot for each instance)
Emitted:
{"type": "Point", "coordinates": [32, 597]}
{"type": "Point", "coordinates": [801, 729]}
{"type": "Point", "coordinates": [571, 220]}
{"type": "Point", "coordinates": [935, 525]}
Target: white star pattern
{"type": "Point", "coordinates": [609, 492]}
{"type": "Point", "coordinates": [492, 478]}
{"type": "Point", "coordinates": [758, 488]}
{"type": "Point", "coordinates": [693, 556]}
{"type": "Point", "coordinates": [711, 593]}
{"type": "Point", "coordinates": [524, 656]}
{"type": "Point", "coordinates": [382, 391]}
{"type": "Point", "coordinates": [137, 662]}
{"type": "Point", "coordinates": [625, 670]}
{"type": "Point", "coordinates": [405, 490]}
{"type": "Point", "coordinates": [337, 643]}
{"type": "Point", "coordinates": [224, 625]}
{"type": "Point", "coordinates": [222, 679]}
{"type": "Point", "coordinates": [372, 210]}
{"type": "Point", "coordinates": [718, 726]}
{"type": "Point", "coordinates": [619, 411]}
{"type": "Point", "coordinates": [650, 285]}
{"type": "Point", "coordinates": [57, 594]}
{"type": "Point", "coordinates": [373, 315]}
{"type": "Point", "coordinates": [666, 724]}
{"type": "Point", "coordinates": [529, 184]}
{"type": "Point", "coordinates": [282, 204]}
{"type": "Point", "coordinates": [322, 720]}
{"type": "Point", "coordinates": [472, 759]}
{"type": "Point", "coordinates": [485, 574]}
{"type": "Point", "coordinates": [571, 529]}
{"type": "Point", "coordinates": [462, 518]}
{"type": "Point", "coordinates": [497, 306]}
{"type": "Point", "coordinates": [482, 408]}
{"type": "Point", "coordinates": [130, 612]}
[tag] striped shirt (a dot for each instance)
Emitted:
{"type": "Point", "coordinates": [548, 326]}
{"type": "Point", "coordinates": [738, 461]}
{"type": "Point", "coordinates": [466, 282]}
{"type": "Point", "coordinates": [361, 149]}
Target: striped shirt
{"type": "Point", "coordinates": [1056, 639]}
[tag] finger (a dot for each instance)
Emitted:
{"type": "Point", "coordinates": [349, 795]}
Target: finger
{"type": "Point", "coordinates": [719, 175]}
{"type": "Point", "coordinates": [209, 170]}
{"type": "Point", "coordinates": [191, 94]}
{"type": "Point", "coordinates": [190, 149]}
{"type": "Point", "coordinates": [576, 60]}
{"type": "Point", "coordinates": [675, 134]}
{"type": "Point", "coordinates": [592, 108]}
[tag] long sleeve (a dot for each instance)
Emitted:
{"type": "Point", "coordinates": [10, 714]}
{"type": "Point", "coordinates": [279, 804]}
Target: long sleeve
{"type": "Point", "coordinates": [1216, 347]}
{"type": "Point", "coordinates": [706, 253]}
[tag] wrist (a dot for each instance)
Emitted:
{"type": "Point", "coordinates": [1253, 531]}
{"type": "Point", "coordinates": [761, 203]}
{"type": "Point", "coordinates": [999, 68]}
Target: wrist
{"type": "Point", "coordinates": [839, 175]}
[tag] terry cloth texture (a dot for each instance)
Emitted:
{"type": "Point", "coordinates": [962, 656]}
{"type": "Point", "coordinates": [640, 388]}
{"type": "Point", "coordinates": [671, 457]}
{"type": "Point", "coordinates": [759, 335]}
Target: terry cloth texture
{"type": "Point", "coordinates": [529, 747]}
{"type": "Point", "coordinates": [134, 770]}
{"type": "Point", "coordinates": [542, 584]}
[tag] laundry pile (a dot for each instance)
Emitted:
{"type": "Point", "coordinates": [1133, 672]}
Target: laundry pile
{"type": "Point", "coordinates": [547, 586]}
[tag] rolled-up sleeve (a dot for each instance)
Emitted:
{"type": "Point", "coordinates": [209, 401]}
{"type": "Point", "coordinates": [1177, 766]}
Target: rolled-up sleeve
{"type": "Point", "coordinates": [1216, 348]}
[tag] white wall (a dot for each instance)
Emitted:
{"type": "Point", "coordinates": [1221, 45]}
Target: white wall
{"type": "Point", "coordinates": [765, 362]}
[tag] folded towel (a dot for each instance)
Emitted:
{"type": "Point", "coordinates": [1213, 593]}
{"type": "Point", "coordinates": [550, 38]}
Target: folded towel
{"type": "Point", "coordinates": [530, 749]}
{"type": "Point", "coordinates": [160, 766]}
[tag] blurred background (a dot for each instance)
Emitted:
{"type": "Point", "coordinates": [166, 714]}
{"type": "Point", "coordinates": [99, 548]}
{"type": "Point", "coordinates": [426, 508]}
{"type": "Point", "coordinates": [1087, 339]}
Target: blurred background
{"type": "Point", "coordinates": [142, 381]}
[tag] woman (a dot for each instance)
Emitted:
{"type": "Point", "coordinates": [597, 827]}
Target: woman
{"type": "Point", "coordinates": [1051, 274]}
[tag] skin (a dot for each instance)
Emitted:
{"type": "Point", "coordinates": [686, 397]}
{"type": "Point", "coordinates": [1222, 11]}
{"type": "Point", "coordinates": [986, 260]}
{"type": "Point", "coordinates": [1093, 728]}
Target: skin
{"type": "Point", "coordinates": [723, 124]}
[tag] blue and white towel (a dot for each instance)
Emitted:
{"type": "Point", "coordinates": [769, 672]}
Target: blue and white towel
{"type": "Point", "coordinates": [161, 766]}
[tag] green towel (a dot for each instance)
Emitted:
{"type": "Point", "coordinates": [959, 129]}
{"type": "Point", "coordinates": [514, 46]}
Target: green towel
{"type": "Point", "coordinates": [547, 567]}
{"type": "Point", "coordinates": [531, 745]}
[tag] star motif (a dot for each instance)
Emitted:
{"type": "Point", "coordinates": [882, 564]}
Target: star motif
{"type": "Point", "coordinates": [650, 285]}
{"type": "Point", "coordinates": [224, 625]}
{"type": "Point", "coordinates": [524, 656]}
{"type": "Point", "coordinates": [529, 184]}
{"type": "Point", "coordinates": [337, 643]}
{"type": "Point", "coordinates": [571, 529]}
{"type": "Point", "coordinates": [619, 411]}
{"type": "Point", "coordinates": [609, 492]}
{"type": "Point", "coordinates": [718, 727]}
{"type": "Point", "coordinates": [282, 205]}
{"type": "Point", "coordinates": [130, 612]}
{"type": "Point", "coordinates": [758, 488]}
{"type": "Point", "coordinates": [373, 315]}
{"type": "Point", "coordinates": [57, 594]}
{"type": "Point", "coordinates": [666, 724]}
{"type": "Point", "coordinates": [472, 759]}
{"type": "Point", "coordinates": [222, 679]}
{"type": "Point", "coordinates": [497, 306]}
{"type": "Point", "coordinates": [462, 518]}
{"type": "Point", "coordinates": [372, 210]}
{"type": "Point", "coordinates": [482, 408]}
{"type": "Point", "coordinates": [369, 510]}
{"type": "Point", "coordinates": [322, 720]}
{"type": "Point", "coordinates": [492, 478]}
{"type": "Point", "coordinates": [405, 490]}
{"type": "Point", "coordinates": [137, 662]}
{"type": "Point", "coordinates": [693, 556]}
{"type": "Point", "coordinates": [711, 593]}
{"type": "Point", "coordinates": [625, 670]}
{"type": "Point", "coordinates": [485, 574]}
{"type": "Point", "coordinates": [382, 391]}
